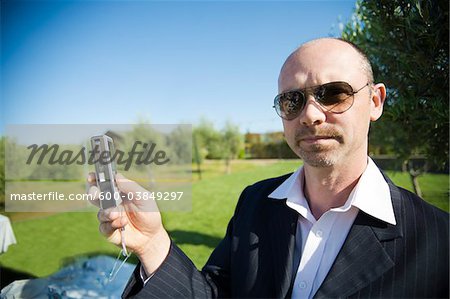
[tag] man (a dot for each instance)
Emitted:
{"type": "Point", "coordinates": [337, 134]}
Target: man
{"type": "Point", "coordinates": [334, 228]}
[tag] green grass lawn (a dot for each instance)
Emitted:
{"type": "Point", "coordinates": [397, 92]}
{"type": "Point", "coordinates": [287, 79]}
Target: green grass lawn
{"type": "Point", "coordinates": [45, 244]}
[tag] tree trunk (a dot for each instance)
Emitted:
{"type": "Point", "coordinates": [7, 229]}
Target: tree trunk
{"type": "Point", "coordinates": [228, 165]}
{"type": "Point", "coordinates": [197, 159]}
{"type": "Point", "coordinates": [415, 182]}
{"type": "Point", "coordinates": [414, 176]}
{"type": "Point", "coordinates": [199, 170]}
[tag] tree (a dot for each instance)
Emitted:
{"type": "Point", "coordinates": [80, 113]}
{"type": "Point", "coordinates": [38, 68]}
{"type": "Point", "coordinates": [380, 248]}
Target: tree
{"type": "Point", "coordinates": [232, 144]}
{"type": "Point", "coordinates": [179, 143]}
{"type": "Point", "coordinates": [407, 43]}
{"type": "Point", "coordinates": [208, 140]}
{"type": "Point", "coordinates": [213, 144]}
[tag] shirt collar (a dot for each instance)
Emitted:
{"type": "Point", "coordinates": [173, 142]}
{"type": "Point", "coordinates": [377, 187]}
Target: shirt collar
{"type": "Point", "coordinates": [292, 190]}
{"type": "Point", "coordinates": [371, 194]}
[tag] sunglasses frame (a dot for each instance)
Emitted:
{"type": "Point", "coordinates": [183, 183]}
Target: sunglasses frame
{"type": "Point", "coordinates": [317, 98]}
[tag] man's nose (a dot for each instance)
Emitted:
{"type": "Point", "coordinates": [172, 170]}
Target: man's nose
{"type": "Point", "coordinates": [312, 114]}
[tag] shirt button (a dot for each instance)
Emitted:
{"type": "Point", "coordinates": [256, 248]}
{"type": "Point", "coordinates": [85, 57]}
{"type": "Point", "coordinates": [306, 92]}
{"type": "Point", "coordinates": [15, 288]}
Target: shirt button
{"type": "Point", "coordinates": [302, 285]}
{"type": "Point", "coordinates": [319, 233]}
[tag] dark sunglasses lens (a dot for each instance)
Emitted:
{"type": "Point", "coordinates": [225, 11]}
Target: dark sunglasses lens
{"type": "Point", "coordinates": [289, 104]}
{"type": "Point", "coordinates": [334, 94]}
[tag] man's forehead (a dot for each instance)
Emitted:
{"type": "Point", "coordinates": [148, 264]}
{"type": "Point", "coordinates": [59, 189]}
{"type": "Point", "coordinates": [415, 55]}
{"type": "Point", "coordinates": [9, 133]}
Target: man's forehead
{"type": "Point", "coordinates": [331, 46]}
{"type": "Point", "coordinates": [321, 52]}
{"type": "Point", "coordinates": [318, 62]}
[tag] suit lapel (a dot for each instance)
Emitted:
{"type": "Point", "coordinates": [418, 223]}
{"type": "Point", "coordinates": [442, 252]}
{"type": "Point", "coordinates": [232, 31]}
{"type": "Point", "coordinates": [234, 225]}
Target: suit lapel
{"type": "Point", "coordinates": [362, 258]}
{"type": "Point", "coordinates": [282, 219]}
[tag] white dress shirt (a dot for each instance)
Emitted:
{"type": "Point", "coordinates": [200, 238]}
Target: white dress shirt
{"type": "Point", "coordinates": [318, 242]}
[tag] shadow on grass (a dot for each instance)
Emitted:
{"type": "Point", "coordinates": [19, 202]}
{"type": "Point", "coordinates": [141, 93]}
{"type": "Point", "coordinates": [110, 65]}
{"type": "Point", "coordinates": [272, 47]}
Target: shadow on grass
{"type": "Point", "coordinates": [194, 238]}
{"type": "Point", "coordinates": [8, 275]}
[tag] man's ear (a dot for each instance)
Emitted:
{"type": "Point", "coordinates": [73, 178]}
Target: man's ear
{"type": "Point", "coordinates": [377, 101]}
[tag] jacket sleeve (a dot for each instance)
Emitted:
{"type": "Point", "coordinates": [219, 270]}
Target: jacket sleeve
{"type": "Point", "coordinates": [177, 277]}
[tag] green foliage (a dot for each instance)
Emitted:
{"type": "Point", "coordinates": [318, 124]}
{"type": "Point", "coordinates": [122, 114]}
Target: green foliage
{"type": "Point", "coordinates": [232, 141]}
{"type": "Point", "coordinates": [407, 43]}
{"type": "Point", "coordinates": [218, 144]}
{"type": "Point", "coordinates": [179, 142]}
{"type": "Point", "coordinates": [16, 167]}
{"type": "Point", "coordinates": [144, 133]}
{"type": "Point", "coordinates": [208, 140]}
{"type": "Point", "coordinates": [271, 150]}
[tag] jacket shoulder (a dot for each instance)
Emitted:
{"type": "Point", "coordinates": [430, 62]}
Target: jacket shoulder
{"type": "Point", "coordinates": [416, 205]}
{"type": "Point", "coordinates": [260, 190]}
{"type": "Point", "coordinates": [268, 185]}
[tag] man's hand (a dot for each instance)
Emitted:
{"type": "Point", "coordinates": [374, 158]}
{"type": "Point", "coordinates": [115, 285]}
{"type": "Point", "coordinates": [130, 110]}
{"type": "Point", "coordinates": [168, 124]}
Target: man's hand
{"type": "Point", "coordinates": [144, 232]}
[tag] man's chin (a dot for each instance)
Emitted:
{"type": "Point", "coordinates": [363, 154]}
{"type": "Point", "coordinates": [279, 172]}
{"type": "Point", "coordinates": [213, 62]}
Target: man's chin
{"type": "Point", "coordinates": [319, 163]}
{"type": "Point", "coordinates": [320, 160]}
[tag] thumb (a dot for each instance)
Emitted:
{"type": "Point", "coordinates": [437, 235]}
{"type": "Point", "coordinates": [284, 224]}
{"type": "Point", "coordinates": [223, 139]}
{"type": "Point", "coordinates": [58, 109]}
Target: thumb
{"type": "Point", "coordinates": [126, 186]}
{"type": "Point", "coordinates": [142, 201]}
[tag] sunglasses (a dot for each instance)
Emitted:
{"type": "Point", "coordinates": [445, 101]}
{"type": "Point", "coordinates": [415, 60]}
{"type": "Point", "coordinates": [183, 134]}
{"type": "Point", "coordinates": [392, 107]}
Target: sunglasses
{"type": "Point", "coordinates": [336, 97]}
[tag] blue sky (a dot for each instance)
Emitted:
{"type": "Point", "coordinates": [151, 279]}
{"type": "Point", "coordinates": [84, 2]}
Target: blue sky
{"type": "Point", "coordinates": [86, 62]}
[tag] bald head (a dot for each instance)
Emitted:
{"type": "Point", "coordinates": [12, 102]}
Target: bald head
{"type": "Point", "coordinates": [320, 55]}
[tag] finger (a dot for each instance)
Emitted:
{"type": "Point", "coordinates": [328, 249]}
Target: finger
{"type": "Point", "coordinates": [126, 186]}
{"type": "Point", "coordinates": [94, 193]}
{"type": "Point", "coordinates": [108, 215]}
{"type": "Point", "coordinates": [106, 229]}
{"type": "Point", "coordinates": [109, 227]}
{"type": "Point", "coordinates": [92, 179]}
{"type": "Point", "coordinates": [119, 223]}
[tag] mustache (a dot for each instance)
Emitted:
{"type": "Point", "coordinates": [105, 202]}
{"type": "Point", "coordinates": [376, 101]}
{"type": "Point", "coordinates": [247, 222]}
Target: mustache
{"type": "Point", "coordinates": [303, 133]}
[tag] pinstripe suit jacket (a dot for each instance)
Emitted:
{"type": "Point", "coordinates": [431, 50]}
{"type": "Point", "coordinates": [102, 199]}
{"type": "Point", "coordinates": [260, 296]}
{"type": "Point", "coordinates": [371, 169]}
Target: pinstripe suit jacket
{"type": "Point", "coordinates": [255, 258]}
